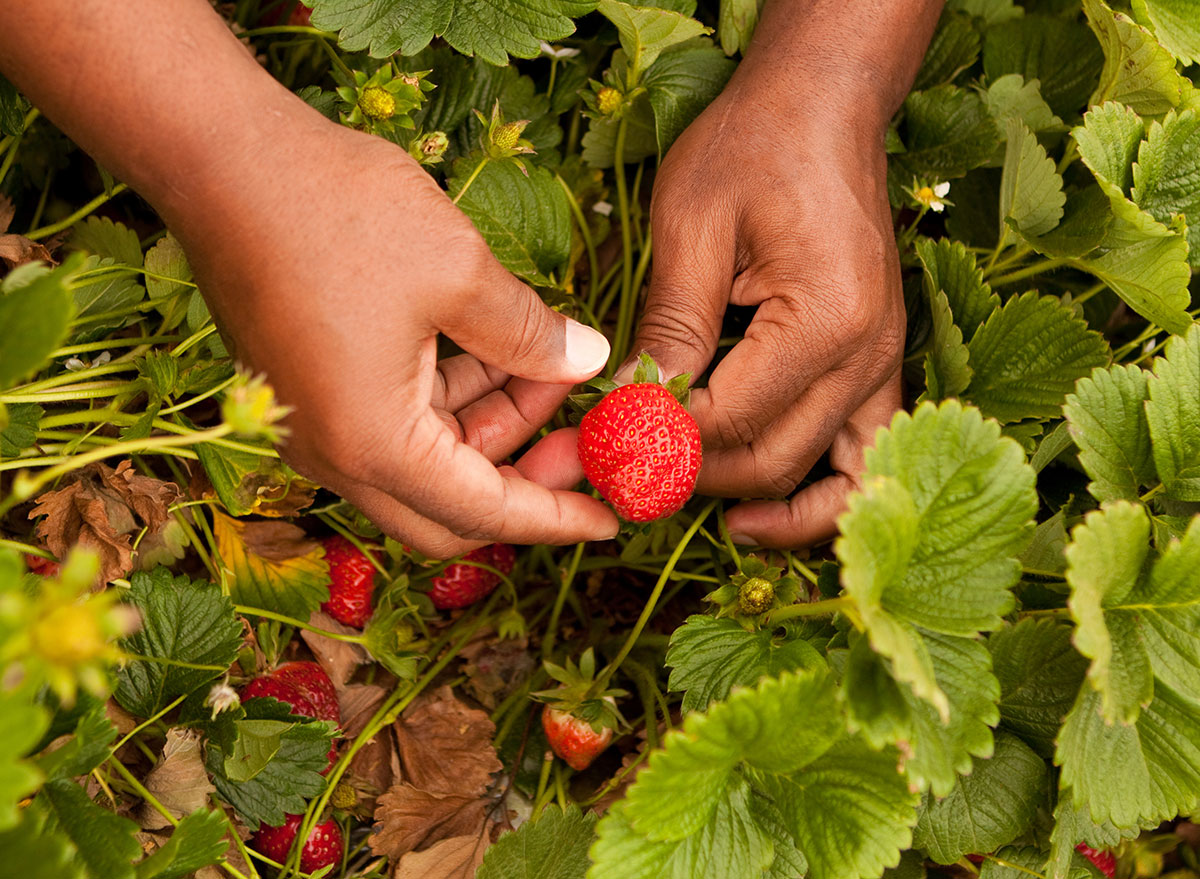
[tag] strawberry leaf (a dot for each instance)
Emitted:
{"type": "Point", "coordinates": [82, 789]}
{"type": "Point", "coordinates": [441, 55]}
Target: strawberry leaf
{"type": "Point", "coordinates": [196, 842]}
{"type": "Point", "coordinates": [1166, 177]}
{"type": "Point", "coordinates": [1173, 413]}
{"type": "Point", "coordinates": [272, 565]}
{"type": "Point", "coordinates": [645, 32]}
{"type": "Point", "coordinates": [21, 726]}
{"type": "Point", "coordinates": [954, 48]}
{"type": "Point", "coordinates": [1057, 51]}
{"type": "Point", "coordinates": [103, 840]}
{"type": "Point", "coordinates": [1031, 190]}
{"type": "Point", "coordinates": [37, 848]}
{"type": "Point", "coordinates": [681, 83]}
{"type": "Point", "coordinates": [553, 847]}
{"type": "Point", "coordinates": [183, 621]}
{"type": "Point", "coordinates": [1174, 25]}
{"type": "Point", "coordinates": [993, 805]}
{"type": "Point", "coordinates": [1106, 417]}
{"type": "Point", "coordinates": [1137, 71]}
{"type": "Point", "coordinates": [950, 268]}
{"type": "Point", "coordinates": [34, 319]}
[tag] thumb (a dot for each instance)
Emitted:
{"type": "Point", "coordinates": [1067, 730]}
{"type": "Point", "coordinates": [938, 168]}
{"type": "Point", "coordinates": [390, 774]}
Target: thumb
{"type": "Point", "coordinates": [505, 324]}
{"type": "Point", "coordinates": [685, 305]}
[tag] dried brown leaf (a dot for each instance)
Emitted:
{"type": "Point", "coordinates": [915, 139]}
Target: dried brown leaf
{"type": "Point", "coordinates": [102, 509]}
{"type": "Point", "coordinates": [446, 746]}
{"type": "Point", "coordinates": [455, 858]}
{"type": "Point", "coordinates": [277, 541]}
{"type": "Point", "coordinates": [178, 780]}
{"type": "Point", "coordinates": [338, 658]}
{"type": "Point", "coordinates": [495, 667]}
{"type": "Point", "coordinates": [409, 818]}
{"type": "Point", "coordinates": [358, 702]}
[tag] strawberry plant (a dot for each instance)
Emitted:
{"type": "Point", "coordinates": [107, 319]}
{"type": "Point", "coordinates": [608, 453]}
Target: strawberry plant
{"type": "Point", "coordinates": [993, 669]}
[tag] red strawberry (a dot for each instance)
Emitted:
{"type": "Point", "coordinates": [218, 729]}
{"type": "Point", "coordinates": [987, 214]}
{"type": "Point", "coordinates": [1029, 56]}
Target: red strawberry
{"type": "Point", "coordinates": [38, 565]}
{"type": "Point", "coordinates": [274, 688]}
{"type": "Point", "coordinates": [311, 682]}
{"type": "Point", "coordinates": [461, 585]}
{"type": "Point", "coordinates": [351, 582]}
{"type": "Point", "coordinates": [322, 848]}
{"type": "Point", "coordinates": [1104, 861]}
{"type": "Point", "coordinates": [301, 16]}
{"type": "Point", "coordinates": [298, 15]}
{"type": "Point", "coordinates": [641, 449]}
{"type": "Point", "coordinates": [573, 739]}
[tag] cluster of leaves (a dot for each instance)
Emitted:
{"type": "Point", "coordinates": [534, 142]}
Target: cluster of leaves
{"type": "Point", "coordinates": [999, 655]}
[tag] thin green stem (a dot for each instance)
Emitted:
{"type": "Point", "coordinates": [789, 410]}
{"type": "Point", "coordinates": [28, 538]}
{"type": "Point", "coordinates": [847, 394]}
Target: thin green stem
{"type": "Point", "coordinates": [68, 222]}
{"type": "Point", "coordinates": [145, 723]}
{"type": "Point", "coordinates": [566, 579]}
{"type": "Point", "coordinates": [1037, 268]}
{"type": "Point", "coordinates": [245, 610]}
{"type": "Point", "coordinates": [618, 349]}
{"type": "Point", "coordinates": [140, 790]}
{"type": "Point", "coordinates": [470, 180]}
{"type": "Point", "coordinates": [588, 244]}
{"type": "Point", "coordinates": [826, 607]}
{"type": "Point", "coordinates": [648, 611]}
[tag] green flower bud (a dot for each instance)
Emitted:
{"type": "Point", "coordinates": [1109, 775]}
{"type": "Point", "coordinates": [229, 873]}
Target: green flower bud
{"type": "Point", "coordinates": [756, 596]}
{"type": "Point", "coordinates": [506, 136]}
{"type": "Point", "coordinates": [609, 100]}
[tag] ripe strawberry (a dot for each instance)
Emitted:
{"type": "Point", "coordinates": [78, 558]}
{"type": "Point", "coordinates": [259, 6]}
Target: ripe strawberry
{"type": "Point", "coordinates": [351, 582]}
{"type": "Point", "coordinates": [572, 739]}
{"type": "Point", "coordinates": [1104, 861]}
{"type": "Point", "coordinates": [461, 585]}
{"type": "Point", "coordinates": [301, 16]}
{"type": "Point", "coordinates": [38, 565]}
{"type": "Point", "coordinates": [641, 449]}
{"type": "Point", "coordinates": [304, 686]}
{"type": "Point", "coordinates": [322, 848]}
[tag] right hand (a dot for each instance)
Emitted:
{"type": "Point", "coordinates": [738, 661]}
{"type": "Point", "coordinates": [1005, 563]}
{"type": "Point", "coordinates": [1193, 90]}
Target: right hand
{"type": "Point", "coordinates": [333, 271]}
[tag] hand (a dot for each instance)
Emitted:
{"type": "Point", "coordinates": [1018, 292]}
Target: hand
{"type": "Point", "coordinates": [333, 271]}
{"type": "Point", "coordinates": [785, 211]}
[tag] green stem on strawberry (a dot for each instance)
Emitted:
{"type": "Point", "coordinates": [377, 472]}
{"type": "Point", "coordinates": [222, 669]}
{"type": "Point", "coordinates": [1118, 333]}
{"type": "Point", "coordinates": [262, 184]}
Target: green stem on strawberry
{"type": "Point", "coordinates": [145, 723]}
{"type": "Point", "coordinates": [1038, 268]}
{"type": "Point", "coordinates": [727, 538]}
{"type": "Point", "coordinates": [192, 401]}
{"type": "Point", "coordinates": [605, 676]}
{"type": "Point", "coordinates": [825, 607]}
{"type": "Point", "coordinates": [626, 303]}
{"type": "Point", "coordinates": [26, 548]}
{"type": "Point", "coordinates": [85, 391]}
{"type": "Point", "coordinates": [478, 168]}
{"type": "Point", "coordinates": [108, 344]}
{"type": "Point", "coordinates": [566, 579]}
{"type": "Point", "coordinates": [244, 610]}
{"type": "Point", "coordinates": [589, 246]}
{"type": "Point", "coordinates": [68, 222]}
{"type": "Point", "coordinates": [194, 339]}
{"type": "Point", "coordinates": [8, 140]}
{"type": "Point", "coordinates": [541, 795]}
{"type": "Point", "coordinates": [140, 790]}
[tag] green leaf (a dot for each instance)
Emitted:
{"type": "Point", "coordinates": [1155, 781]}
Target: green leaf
{"type": "Point", "coordinates": [21, 430]}
{"type": "Point", "coordinates": [1137, 70]}
{"type": "Point", "coordinates": [108, 240]}
{"type": "Point", "coordinates": [13, 108]}
{"type": "Point", "coordinates": [990, 12]}
{"type": "Point", "coordinates": [732, 843]}
{"type": "Point", "coordinates": [641, 136]}
{"type": "Point", "coordinates": [167, 259]}
{"type": "Point", "coordinates": [1132, 775]}
{"type": "Point", "coordinates": [951, 268]}
{"type": "Point", "coordinates": [954, 48]}
{"type": "Point", "coordinates": [1059, 52]}
{"type": "Point", "coordinates": [709, 657]}
{"type": "Point", "coordinates": [524, 218]}
{"type": "Point", "coordinates": [646, 31]}
{"type": "Point", "coordinates": [735, 27]}
{"type": "Point", "coordinates": [1086, 224]}
{"type": "Point", "coordinates": [993, 805]}
{"type": "Point", "coordinates": [103, 840]}
{"type": "Point", "coordinates": [274, 565]}
{"type": "Point", "coordinates": [1039, 673]}
{"type": "Point", "coordinates": [112, 292]}
{"type": "Point", "coordinates": [38, 849]}
{"type": "Point", "coordinates": [1031, 191]}
{"type": "Point", "coordinates": [88, 747]}
{"type": "Point", "coordinates": [780, 726]}
{"type": "Point", "coordinates": [947, 372]}
{"type": "Point", "coordinates": [244, 481]}
{"type": "Point", "coordinates": [1166, 178]}
{"type": "Point", "coordinates": [1029, 355]}
{"type": "Point", "coordinates": [851, 811]}
{"type": "Point", "coordinates": [197, 841]}
{"type": "Point", "coordinates": [491, 29]}
{"type": "Point", "coordinates": [1104, 563]}
{"type": "Point", "coordinates": [932, 540]}
{"type": "Point", "coordinates": [1011, 97]}
{"type": "Point", "coordinates": [285, 781]}
{"type": "Point", "coordinates": [1173, 413]}
{"type": "Point", "coordinates": [948, 131]}
{"type": "Point", "coordinates": [183, 621]}
{"type": "Point", "coordinates": [1108, 141]}
{"type": "Point", "coordinates": [681, 83]}
{"type": "Point", "coordinates": [1176, 25]}
{"type": "Point", "coordinates": [22, 724]}
{"type": "Point", "coordinates": [1107, 419]}
{"type": "Point", "coordinates": [553, 847]}
{"type": "Point", "coordinates": [256, 744]}
{"type": "Point", "coordinates": [33, 322]}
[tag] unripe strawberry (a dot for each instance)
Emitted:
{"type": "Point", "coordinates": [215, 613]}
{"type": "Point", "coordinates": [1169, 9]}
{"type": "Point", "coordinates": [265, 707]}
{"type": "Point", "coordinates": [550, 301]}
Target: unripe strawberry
{"type": "Point", "coordinates": [641, 449]}
{"type": "Point", "coordinates": [755, 596]}
{"type": "Point", "coordinates": [609, 100]}
{"type": "Point", "coordinates": [506, 136]}
{"type": "Point", "coordinates": [377, 103]}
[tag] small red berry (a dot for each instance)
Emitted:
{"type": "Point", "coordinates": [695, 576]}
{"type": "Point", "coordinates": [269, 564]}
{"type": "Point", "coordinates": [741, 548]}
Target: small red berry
{"type": "Point", "coordinates": [322, 848]}
{"type": "Point", "coordinates": [1104, 861]}
{"type": "Point", "coordinates": [573, 739]}
{"type": "Point", "coordinates": [304, 686]}
{"type": "Point", "coordinates": [38, 565]}
{"type": "Point", "coordinates": [641, 449]}
{"type": "Point", "coordinates": [351, 582]}
{"type": "Point", "coordinates": [461, 585]}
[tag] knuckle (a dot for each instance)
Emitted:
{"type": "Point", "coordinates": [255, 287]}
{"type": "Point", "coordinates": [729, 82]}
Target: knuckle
{"type": "Point", "coordinates": [733, 428]}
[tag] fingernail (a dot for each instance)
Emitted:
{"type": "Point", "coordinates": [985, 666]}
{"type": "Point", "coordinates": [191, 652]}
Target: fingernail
{"type": "Point", "coordinates": [586, 349]}
{"type": "Point", "coordinates": [741, 539]}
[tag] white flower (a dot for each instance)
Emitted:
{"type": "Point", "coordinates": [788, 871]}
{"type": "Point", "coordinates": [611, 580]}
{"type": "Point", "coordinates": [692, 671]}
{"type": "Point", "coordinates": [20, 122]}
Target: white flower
{"type": "Point", "coordinates": [557, 52]}
{"type": "Point", "coordinates": [603, 208]}
{"type": "Point", "coordinates": [933, 197]}
{"type": "Point", "coordinates": [222, 697]}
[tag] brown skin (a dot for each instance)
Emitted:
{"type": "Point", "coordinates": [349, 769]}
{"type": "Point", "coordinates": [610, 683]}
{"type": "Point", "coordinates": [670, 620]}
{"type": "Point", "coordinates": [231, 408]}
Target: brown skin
{"type": "Point", "coordinates": [332, 262]}
{"type": "Point", "coordinates": [775, 197]}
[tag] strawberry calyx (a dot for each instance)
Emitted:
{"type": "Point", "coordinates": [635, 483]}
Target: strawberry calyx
{"type": "Point", "coordinates": [753, 592]}
{"type": "Point", "coordinates": [579, 696]}
{"type": "Point", "coordinates": [646, 373]}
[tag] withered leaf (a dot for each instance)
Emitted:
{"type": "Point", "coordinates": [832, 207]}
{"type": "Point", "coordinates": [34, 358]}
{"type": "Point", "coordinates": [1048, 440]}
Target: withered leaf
{"type": "Point", "coordinates": [102, 509]}
{"type": "Point", "coordinates": [358, 702]}
{"type": "Point", "coordinates": [409, 818]}
{"type": "Point", "coordinates": [178, 780]}
{"type": "Point", "coordinates": [495, 667]}
{"type": "Point", "coordinates": [272, 564]}
{"type": "Point", "coordinates": [338, 658]}
{"type": "Point", "coordinates": [455, 858]}
{"type": "Point", "coordinates": [446, 746]}
{"type": "Point", "coordinates": [17, 249]}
